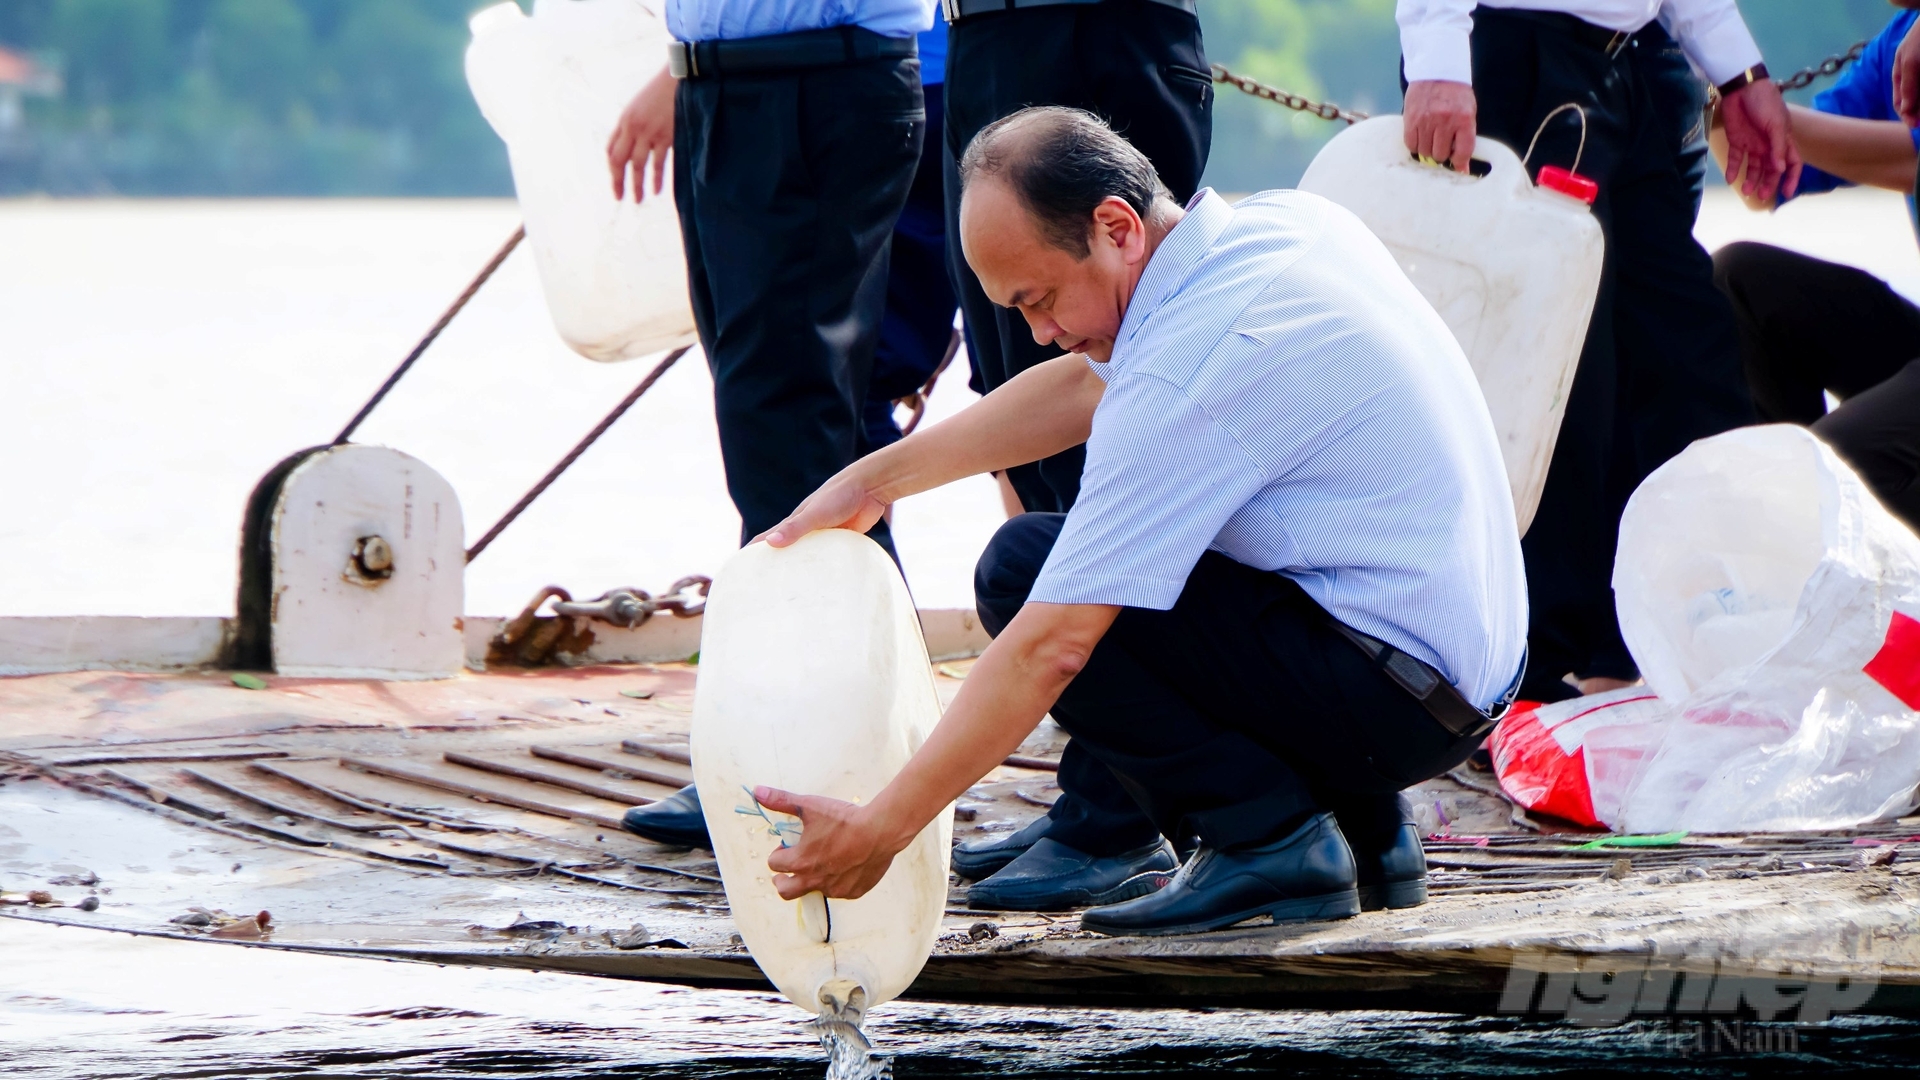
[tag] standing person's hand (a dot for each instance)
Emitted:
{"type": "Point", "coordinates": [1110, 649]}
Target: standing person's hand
{"type": "Point", "coordinates": [1760, 140]}
{"type": "Point", "coordinates": [644, 135]}
{"type": "Point", "coordinates": [1906, 77]}
{"type": "Point", "coordinates": [1440, 121]}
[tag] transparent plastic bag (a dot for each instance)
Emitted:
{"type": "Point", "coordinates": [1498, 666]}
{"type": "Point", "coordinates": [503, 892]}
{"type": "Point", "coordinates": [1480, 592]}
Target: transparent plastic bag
{"type": "Point", "coordinates": [1774, 604]}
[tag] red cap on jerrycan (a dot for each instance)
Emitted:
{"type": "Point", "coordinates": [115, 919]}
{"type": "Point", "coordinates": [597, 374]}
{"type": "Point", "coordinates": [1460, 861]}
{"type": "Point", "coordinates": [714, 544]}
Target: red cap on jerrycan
{"type": "Point", "coordinates": [1555, 178]}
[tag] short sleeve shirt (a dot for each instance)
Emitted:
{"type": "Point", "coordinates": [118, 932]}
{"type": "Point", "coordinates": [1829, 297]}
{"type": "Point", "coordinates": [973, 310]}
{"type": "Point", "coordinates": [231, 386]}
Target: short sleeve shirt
{"type": "Point", "coordinates": [1279, 392]}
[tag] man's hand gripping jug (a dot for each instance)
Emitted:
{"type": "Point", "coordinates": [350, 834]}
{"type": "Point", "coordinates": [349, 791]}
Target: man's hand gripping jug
{"type": "Point", "coordinates": [814, 679]}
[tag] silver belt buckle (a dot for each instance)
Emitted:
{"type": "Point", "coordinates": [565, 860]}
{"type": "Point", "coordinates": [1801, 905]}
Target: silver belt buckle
{"type": "Point", "coordinates": [680, 61]}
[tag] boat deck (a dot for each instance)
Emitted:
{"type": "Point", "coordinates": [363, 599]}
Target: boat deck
{"type": "Point", "coordinates": [476, 821]}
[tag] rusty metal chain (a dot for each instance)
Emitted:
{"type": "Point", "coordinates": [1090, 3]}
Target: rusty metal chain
{"type": "Point", "coordinates": [1325, 110]}
{"type": "Point", "coordinates": [630, 607]}
{"type": "Point", "coordinates": [531, 639]}
{"type": "Point", "coordinates": [1827, 68]}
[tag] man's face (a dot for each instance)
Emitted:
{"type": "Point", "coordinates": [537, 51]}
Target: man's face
{"type": "Point", "coordinates": [1076, 304]}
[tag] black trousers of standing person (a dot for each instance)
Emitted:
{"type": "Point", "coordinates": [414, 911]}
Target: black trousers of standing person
{"type": "Point", "coordinates": [1809, 327]}
{"type": "Point", "coordinates": [1139, 65]}
{"type": "Point", "coordinates": [918, 326]}
{"type": "Point", "coordinates": [1661, 364]}
{"type": "Point", "coordinates": [788, 184]}
{"type": "Point", "coordinates": [1238, 712]}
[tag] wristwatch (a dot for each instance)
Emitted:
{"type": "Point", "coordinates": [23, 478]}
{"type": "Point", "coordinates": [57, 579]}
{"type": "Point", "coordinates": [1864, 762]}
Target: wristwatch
{"type": "Point", "coordinates": [1741, 81]}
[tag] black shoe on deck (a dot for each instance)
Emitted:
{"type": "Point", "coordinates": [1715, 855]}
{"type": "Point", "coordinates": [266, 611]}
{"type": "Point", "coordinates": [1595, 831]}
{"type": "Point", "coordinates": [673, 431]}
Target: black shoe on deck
{"type": "Point", "coordinates": [674, 820]}
{"type": "Point", "coordinates": [1050, 876]}
{"type": "Point", "coordinates": [1308, 874]}
{"type": "Point", "coordinates": [981, 859]}
{"type": "Point", "coordinates": [1393, 877]}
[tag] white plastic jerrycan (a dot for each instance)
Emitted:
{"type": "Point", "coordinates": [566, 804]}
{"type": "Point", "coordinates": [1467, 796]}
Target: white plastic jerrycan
{"type": "Point", "coordinates": [1512, 269]}
{"type": "Point", "coordinates": [553, 86]}
{"type": "Point", "coordinates": [814, 679]}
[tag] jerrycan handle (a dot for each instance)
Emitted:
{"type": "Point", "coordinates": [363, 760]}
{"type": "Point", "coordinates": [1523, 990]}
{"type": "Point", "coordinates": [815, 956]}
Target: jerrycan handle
{"type": "Point", "coordinates": [1567, 182]}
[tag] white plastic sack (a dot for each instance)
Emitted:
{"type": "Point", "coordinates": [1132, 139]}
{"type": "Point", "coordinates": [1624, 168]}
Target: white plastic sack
{"type": "Point", "coordinates": [553, 86]}
{"type": "Point", "coordinates": [1775, 604]}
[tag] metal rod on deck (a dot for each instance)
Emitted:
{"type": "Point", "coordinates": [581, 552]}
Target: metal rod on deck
{"type": "Point", "coordinates": [599, 429]}
{"type": "Point", "coordinates": [446, 317]}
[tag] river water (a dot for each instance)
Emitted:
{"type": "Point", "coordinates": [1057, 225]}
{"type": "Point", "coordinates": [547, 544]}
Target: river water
{"type": "Point", "coordinates": [157, 357]}
{"type": "Point", "coordinates": [85, 1003]}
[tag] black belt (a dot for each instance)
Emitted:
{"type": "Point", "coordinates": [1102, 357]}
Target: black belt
{"type": "Point", "coordinates": [960, 9]}
{"type": "Point", "coordinates": [831, 47]}
{"type": "Point", "coordinates": [1599, 38]}
{"type": "Point", "coordinates": [1442, 701]}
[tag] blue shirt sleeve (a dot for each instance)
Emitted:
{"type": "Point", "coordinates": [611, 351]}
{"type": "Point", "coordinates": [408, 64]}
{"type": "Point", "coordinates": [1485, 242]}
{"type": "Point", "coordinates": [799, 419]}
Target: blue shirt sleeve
{"type": "Point", "coordinates": [1162, 479]}
{"type": "Point", "coordinates": [1864, 91]}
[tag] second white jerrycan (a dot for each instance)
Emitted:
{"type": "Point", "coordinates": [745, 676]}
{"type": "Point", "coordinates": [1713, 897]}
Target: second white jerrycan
{"type": "Point", "coordinates": [814, 679]}
{"type": "Point", "coordinates": [553, 85]}
{"type": "Point", "coordinates": [1511, 268]}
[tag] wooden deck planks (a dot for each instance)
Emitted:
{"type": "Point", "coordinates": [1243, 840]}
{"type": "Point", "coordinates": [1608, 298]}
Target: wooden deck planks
{"type": "Point", "coordinates": [496, 791]}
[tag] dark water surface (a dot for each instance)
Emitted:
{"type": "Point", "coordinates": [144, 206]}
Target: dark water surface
{"type": "Point", "coordinates": [83, 1003]}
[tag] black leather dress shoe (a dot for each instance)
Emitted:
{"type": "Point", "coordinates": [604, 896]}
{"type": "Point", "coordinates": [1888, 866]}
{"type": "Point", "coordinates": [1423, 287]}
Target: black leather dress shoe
{"type": "Point", "coordinates": [1050, 876]}
{"type": "Point", "coordinates": [674, 820]}
{"type": "Point", "coordinates": [1308, 874]}
{"type": "Point", "coordinates": [1395, 876]}
{"type": "Point", "coordinates": [982, 859]}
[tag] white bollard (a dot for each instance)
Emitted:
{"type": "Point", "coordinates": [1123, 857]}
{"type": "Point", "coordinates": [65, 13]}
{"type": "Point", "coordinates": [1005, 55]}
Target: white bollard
{"type": "Point", "coordinates": [367, 568]}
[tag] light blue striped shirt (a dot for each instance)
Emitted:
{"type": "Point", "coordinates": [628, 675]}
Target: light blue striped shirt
{"type": "Point", "coordinates": [1280, 393]}
{"type": "Point", "coordinates": [725, 20]}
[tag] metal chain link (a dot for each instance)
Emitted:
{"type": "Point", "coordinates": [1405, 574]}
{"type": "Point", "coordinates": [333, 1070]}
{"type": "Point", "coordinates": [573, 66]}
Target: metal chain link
{"type": "Point", "coordinates": [1827, 68]}
{"type": "Point", "coordinates": [631, 607]}
{"type": "Point", "coordinates": [1325, 110]}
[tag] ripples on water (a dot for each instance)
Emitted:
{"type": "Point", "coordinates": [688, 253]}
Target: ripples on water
{"type": "Point", "coordinates": [87, 1004]}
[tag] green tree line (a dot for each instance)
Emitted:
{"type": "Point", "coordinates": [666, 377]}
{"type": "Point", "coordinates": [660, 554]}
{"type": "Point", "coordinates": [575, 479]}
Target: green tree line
{"type": "Point", "coordinates": [368, 97]}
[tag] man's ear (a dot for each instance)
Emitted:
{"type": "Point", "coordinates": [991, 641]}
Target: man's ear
{"type": "Point", "coordinates": [1116, 220]}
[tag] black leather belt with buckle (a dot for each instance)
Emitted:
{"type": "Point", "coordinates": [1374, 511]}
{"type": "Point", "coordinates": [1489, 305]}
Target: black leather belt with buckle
{"type": "Point", "coordinates": [1609, 42]}
{"type": "Point", "coordinates": [960, 9]}
{"type": "Point", "coordinates": [798, 51]}
{"type": "Point", "coordinates": [1440, 698]}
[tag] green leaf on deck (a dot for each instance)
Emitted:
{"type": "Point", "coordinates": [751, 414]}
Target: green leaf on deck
{"type": "Point", "coordinates": [248, 682]}
{"type": "Point", "coordinates": [1662, 840]}
{"type": "Point", "coordinates": [641, 694]}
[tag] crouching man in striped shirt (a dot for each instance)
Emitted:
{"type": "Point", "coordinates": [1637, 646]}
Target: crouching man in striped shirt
{"type": "Point", "coordinates": [1292, 584]}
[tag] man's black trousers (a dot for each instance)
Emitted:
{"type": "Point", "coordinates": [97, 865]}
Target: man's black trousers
{"type": "Point", "coordinates": [1239, 711]}
{"type": "Point", "coordinates": [1661, 365]}
{"type": "Point", "coordinates": [1808, 327]}
{"type": "Point", "coordinates": [1137, 64]}
{"type": "Point", "coordinates": [1140, 66]}
{"type": "Point", "coordinates": [788, 185]}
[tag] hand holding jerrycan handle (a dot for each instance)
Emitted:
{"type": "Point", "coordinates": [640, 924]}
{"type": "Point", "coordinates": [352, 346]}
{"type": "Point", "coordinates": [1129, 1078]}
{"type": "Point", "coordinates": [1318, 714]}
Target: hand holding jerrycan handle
{"type": "Point", "coordinates": [552, 85]}
{"type": "Point", "coordinates": [1511, 268]}
{"type": "Point", "coordinates": [814, 679]}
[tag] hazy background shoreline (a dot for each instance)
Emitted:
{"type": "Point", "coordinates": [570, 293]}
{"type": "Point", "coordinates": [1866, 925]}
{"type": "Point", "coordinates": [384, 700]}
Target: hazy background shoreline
{"type": "Point", "coordinates": [368, 97]}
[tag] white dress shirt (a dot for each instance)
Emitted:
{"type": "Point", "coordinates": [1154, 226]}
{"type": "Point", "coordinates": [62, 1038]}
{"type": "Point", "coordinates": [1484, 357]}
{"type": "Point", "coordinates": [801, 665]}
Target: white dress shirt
{"type": "Point", "coordinates": [1433, 33]}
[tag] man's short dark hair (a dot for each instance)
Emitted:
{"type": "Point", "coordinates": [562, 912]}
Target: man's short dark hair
{"type": "Point", "coordinates": [1062, 163]}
